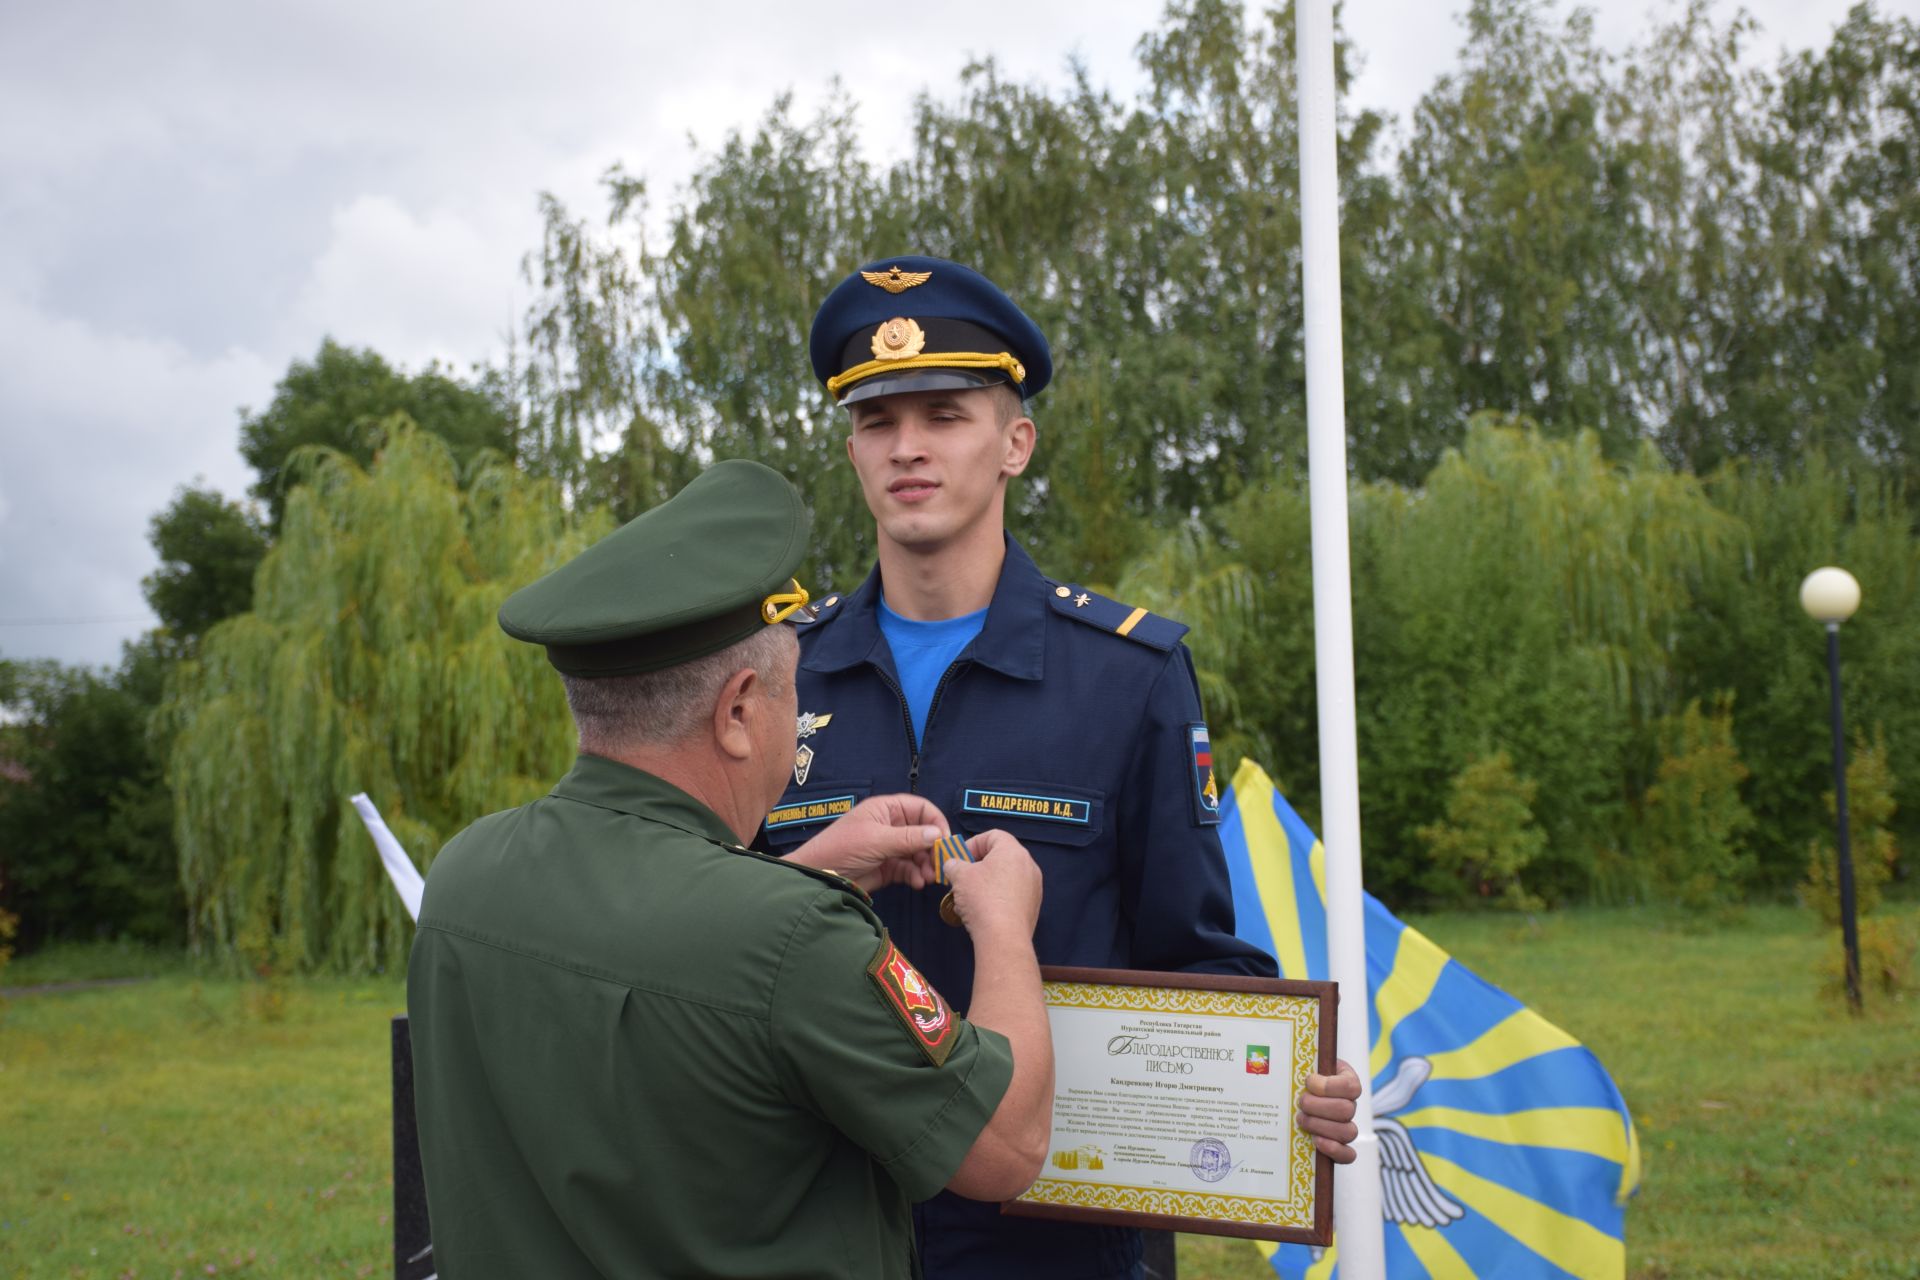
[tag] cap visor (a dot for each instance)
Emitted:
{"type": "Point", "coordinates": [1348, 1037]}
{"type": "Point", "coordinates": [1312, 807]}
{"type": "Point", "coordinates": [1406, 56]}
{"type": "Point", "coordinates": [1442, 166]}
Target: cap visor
{"type": "Point", "coordinates": [893, 384]}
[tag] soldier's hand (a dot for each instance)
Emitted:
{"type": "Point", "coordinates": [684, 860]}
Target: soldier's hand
{"type": "Point", "coordinates": [1326, 1112]}
{"type": "Point", "coordinates": [882, 840]}
{"type": "Point", "coordinates": [1000, 889]}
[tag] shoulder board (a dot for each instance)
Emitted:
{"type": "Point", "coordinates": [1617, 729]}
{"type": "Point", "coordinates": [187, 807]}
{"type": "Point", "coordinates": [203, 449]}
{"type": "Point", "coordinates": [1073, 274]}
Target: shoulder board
{"type": "Point", "coordinates": [823, 611]}
{"type": "Point", "coordinates": [1099, 612]}
{"type": "Point", "coordinates": [833, 878]}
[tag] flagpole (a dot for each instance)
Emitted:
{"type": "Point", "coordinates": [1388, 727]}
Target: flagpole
{"type": "Point", "coordinates": [1357, 1221]}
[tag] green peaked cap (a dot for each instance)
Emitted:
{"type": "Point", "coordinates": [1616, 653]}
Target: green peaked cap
{"type": "Point", "coordinates": [679, 582]}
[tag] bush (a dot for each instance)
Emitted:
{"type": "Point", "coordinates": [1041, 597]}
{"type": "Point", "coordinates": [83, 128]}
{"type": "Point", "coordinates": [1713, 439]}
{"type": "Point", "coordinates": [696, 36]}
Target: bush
{"type": "Point", "coordinates": [1870, 810]}
{"type": "Point", "coordinates": [1694, 816]}
{"type": "Point", "coordinates": [1489, 836]}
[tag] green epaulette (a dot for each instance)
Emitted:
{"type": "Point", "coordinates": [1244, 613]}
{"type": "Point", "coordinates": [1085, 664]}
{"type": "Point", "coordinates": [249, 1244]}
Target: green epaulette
{"type": "Point", "coordinates": [833, 878]}
{"type": "Point", "coordinates": [1105, 614]}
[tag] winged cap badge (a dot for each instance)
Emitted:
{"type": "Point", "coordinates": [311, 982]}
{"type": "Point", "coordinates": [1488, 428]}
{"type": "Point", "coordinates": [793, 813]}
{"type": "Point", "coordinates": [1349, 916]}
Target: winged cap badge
{"type": "Point", "coordinates": [894, 280]}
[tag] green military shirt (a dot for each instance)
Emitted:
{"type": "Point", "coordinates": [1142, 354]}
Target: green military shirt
{"type": "Point", "coordinates": [641, 1051]}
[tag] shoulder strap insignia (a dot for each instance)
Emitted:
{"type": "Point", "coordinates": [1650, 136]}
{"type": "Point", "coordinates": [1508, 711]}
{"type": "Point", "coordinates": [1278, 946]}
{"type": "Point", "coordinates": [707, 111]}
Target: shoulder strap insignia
{"type": "Point", "coordinates": [825, 609]}
{"type": "Point", "coordinates": [1105, 614]}
{"type": "Point", "coordinates": [833, 878]}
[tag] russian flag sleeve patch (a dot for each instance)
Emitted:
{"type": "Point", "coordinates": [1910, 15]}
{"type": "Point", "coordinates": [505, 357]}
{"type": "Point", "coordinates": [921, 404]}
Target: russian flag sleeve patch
{"type": "Point", "coordinates": [1206, 787]}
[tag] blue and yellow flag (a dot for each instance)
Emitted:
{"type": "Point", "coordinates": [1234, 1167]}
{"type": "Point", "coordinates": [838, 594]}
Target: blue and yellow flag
{"type": "Point", "coordinates": [1505, 1148]}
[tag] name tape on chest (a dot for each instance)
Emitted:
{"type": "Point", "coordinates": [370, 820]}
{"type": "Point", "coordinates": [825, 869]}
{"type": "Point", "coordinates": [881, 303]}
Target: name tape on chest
{"type": "Point", "coordinates": [825, 809]}
{"type": "Point", "coordinates": [1021, 804]}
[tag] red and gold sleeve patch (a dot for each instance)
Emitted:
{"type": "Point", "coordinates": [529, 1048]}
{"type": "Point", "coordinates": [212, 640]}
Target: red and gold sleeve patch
{"type": "Point", "coordinates": [929, 1021]}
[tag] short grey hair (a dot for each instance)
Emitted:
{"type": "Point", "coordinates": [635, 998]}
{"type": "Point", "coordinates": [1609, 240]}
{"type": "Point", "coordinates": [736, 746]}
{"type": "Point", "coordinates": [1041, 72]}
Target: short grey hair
{"type": "Point", "coordinates": [673, 704]}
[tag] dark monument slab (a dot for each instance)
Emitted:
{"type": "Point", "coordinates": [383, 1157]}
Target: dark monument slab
{"type": "Point", "coordinates": [412, 1237]}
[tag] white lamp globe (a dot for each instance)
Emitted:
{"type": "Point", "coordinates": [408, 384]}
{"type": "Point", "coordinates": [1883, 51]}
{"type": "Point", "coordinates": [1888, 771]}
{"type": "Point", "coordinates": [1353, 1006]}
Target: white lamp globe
{"type": "Point", "coordinates": [1830, 595]}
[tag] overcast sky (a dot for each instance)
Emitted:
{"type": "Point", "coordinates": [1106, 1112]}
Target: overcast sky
{"type": "Point", "coordinates": [195, 193]}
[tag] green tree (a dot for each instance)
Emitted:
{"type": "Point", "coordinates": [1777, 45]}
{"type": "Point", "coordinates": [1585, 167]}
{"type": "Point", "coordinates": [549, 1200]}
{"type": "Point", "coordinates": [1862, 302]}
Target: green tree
{"type": "Point", "coordinates": [1694, 817]}
{"type": "Point", "coordinates": [1828, 352]}
{"type": "Point", "coordinates": [208, 549]}
{"type": "Point", "coordinates": [343, 398]}
{"type": "Point", "coordinates": [1875, 852]}
{"type": "Point", "coordinates": [370, 661]}
{"type": "Point", "coordinates": [1155, 242]}
{"type": "Point", "coordinates": [1488, 837]}
{"type": "Point", "coordinates": [86, 849]}
{"type": "Point", "coordinates": [1747, 634]}
{"type": "Point", "coordinates": [1513, 229]}
{"type": "Point", "coordinates": [1528, 596]}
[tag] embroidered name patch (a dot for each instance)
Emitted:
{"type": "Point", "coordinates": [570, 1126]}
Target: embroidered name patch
{"type": "Point", "coordinates": [1023, 805]}
{"type": "Point", "coordinates": [799, 815]}
{"type": "Point", "coordinates": [928, 1020]}
{"type": "Point", "coordinates": [1206, 788]}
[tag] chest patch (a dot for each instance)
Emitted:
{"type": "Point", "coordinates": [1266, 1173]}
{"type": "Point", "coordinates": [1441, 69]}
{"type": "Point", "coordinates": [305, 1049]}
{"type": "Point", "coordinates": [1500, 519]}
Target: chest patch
{"type": "Point", "coordinates": [929, 1021]}
{"type": "Point", "coordinates": [807, 812]}
{"type": "Point", "coordinates": [1021, 804]}
{"type": "Point", "coordinates": [806, 725]}
{"type": "Point", "coordinates": [1206, 788]}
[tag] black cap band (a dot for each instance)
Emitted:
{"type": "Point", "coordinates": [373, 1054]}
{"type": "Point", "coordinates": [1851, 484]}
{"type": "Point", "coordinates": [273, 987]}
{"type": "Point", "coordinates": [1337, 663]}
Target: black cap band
{"type": "Point", "coordinates": [942, 335]}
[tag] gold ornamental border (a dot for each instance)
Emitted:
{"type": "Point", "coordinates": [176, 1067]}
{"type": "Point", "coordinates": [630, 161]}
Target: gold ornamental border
{"type": "Point", "coordinates": [1254, 1210]}
{"type": "Point", "coordinates": [1300, 1013]}
{"type": "Point", "coordinates": [1217, 1004]}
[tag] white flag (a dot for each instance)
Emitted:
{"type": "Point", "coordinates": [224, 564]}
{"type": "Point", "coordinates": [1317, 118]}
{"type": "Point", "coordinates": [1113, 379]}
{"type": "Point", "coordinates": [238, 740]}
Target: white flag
{"type": "Point", "coordinates": [400, 869]}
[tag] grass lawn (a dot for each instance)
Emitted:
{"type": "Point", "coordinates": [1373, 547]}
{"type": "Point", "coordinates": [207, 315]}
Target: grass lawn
{"type": "Point", "coordinates": [187, 1127]}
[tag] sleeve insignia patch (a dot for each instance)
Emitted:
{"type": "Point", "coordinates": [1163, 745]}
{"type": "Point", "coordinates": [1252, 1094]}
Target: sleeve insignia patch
{"type": "Point", "coordinates": [1206, 787]}
{"type": "Point", "coordinates": [928, 1020]}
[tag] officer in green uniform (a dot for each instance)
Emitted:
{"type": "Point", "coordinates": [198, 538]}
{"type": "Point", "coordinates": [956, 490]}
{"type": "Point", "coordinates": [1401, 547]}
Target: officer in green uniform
{"type": "Point", "coordinates": [641, 1049]}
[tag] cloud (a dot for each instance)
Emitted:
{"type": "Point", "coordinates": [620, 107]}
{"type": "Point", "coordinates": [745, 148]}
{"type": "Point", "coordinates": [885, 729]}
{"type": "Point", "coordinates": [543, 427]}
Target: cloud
{"type": "Point", "coordinates": [99, 430]}
{"type": "Point", "coordinates": [196, 192]}
{"type": "Point", "coordinates": [414, 287]}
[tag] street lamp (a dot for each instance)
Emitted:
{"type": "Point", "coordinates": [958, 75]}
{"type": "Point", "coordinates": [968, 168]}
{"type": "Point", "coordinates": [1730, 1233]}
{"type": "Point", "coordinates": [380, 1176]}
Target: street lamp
{"type": "Point", "coordinates": [1830, 596]}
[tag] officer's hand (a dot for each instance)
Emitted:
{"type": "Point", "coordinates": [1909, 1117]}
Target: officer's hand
{"type": "Point", "coordinates": [1000, 889]}
{"type": "Point", "coordinates": [882, 840]}
{"type": "Point", "coordinates": [1326, 1112]}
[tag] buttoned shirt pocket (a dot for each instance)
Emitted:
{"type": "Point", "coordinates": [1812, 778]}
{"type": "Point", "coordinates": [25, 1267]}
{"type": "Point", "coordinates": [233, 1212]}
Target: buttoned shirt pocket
{"type": "Point", "coordinates": [804, 812]}
{"type": "Point", "coordinates": [1029, 811]}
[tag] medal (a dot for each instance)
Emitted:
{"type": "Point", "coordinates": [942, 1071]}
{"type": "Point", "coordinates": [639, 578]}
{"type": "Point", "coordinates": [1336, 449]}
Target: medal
{"type": "Point", "coordinates": [955, 849]}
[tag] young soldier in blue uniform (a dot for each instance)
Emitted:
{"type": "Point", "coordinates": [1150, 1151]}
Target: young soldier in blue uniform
{"type": "Point", "coordinates": [960, 673]}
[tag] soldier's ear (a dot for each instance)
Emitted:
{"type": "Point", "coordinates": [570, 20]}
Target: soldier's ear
{"type": "Point", "coordinates": [1021, 436]}
{"type": "Point", "coordinates": [733, 712]}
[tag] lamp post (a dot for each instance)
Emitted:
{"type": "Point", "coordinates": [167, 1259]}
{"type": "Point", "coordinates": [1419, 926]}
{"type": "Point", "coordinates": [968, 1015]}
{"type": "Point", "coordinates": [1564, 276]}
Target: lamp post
{"type": "Point", "coordinates": [1830, 596]}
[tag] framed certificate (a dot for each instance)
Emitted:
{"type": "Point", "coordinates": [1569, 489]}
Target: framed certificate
{"type": "Point", "coordinates": [1173, 1104]}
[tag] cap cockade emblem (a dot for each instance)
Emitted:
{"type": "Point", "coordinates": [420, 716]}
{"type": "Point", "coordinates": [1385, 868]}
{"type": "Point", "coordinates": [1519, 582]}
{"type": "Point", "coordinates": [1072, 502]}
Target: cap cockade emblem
{"type": "Point", "coordinates": [897, 339]}
{"type": "Point", "coordinates": [894, 280]}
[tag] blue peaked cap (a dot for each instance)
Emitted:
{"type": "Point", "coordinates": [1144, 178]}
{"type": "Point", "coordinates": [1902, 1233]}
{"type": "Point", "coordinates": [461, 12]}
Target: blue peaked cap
{"type": "Point", "coordinates": [915, 323]}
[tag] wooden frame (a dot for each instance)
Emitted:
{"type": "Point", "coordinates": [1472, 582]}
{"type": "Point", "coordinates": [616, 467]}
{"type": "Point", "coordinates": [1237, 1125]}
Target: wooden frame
{"type": "Point", "coordinates": [1325, 994]}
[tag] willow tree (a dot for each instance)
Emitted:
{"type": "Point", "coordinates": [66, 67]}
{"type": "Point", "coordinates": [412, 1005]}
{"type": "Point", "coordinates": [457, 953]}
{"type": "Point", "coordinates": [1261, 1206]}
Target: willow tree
{"type": "Point", "coordinates": [1528, 600]}
{"type": "Point", "coordinates": [371, 662]}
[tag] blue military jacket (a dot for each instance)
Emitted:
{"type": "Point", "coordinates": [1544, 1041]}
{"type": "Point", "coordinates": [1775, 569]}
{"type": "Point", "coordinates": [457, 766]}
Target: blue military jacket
{"type": "Point", "coordinates": [1072, 722]}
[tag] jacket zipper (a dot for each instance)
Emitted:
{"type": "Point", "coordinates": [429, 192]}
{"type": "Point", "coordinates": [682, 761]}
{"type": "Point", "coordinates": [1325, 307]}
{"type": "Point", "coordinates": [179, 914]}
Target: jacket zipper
{"type": "Point", "coordinates": [906, 717]}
